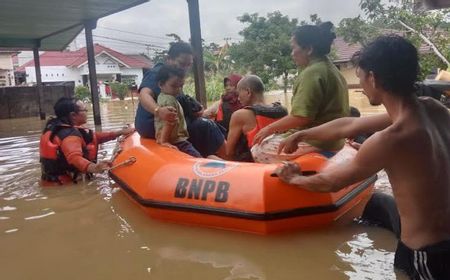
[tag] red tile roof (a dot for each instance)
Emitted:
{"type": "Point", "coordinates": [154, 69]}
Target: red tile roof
{"type": "Point", "coordinates": [79, 57]}
{"type": "Point", "coordinates": [344, 51]}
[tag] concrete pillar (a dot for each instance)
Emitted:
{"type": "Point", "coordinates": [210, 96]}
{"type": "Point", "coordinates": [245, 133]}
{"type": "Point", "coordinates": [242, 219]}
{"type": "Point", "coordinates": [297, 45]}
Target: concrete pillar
{"type": "Point", "coordinates": [37, 68]}
{"type": "Point", "coordinates": [88, 27]}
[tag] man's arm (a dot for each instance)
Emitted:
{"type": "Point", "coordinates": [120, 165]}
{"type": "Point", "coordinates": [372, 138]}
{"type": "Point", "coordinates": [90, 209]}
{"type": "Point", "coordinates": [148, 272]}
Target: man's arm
{"type": "Point", "coordinates": [103, 137]}
{"type": "Point", "coordinates": [71, 147]}
{"type": "Point", "coordinates": [371, 158]}
{"type": "Point", "coordinates": [281, 125]}
{"type": "Point", "coordinates": [147, 99]}
{"type": "Point", "coordinates": [234, 133]}
{"type": "Point", "coordinates": [337, 129]}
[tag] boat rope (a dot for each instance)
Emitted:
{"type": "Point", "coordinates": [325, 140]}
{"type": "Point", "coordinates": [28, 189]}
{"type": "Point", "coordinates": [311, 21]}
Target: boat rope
{"type": "Point", "coordinates": [127, 162]}
{"type": "Point", "coordinates": [116, 151]}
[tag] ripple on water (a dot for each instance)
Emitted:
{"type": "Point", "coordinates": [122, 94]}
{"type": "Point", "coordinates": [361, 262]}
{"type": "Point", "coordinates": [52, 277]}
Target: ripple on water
{"type": "Point", "coordinates": [366, 261]}
{"type": "Point", "coordinates": [26, 208]}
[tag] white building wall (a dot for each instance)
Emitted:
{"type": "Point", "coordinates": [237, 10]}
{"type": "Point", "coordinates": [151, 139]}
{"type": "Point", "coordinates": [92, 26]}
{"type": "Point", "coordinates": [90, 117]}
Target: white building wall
{"type": "Point", "coordinates": [6, 61]}
{"type": "Point", "coordinates": [133, 72]}
{"type": "Point", "coordinates": [106, 68]}
{"type": "Point", "coordinates": [101, 69]}
{"type": "Point", "coordinates": [349, 73]}
{"type": "Point", "coordinates": [7, 78]}
{"type": "Point", "coordinates": [54, 74]}
{"type": "Point", "coordinates": [6, 70]}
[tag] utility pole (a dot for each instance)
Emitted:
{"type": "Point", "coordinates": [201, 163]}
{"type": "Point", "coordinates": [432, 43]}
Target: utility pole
{"type": "Point", "coordinates": [147, 47]}
{"type": "Point", "coordinates": [196, 42]}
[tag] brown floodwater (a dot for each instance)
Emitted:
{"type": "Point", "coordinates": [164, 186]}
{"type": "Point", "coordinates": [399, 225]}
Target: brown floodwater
{"type": "Point", "coordinates": [93, 231]}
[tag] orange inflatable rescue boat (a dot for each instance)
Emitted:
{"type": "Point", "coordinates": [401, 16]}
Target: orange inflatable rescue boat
{"type": "Point", "coordinates": [174, 186]}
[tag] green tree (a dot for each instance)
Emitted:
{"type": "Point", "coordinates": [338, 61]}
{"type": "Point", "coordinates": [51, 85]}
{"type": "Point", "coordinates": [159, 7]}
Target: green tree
{"type": "Point", "coordinates": [119, 89]}
{"type": "Point", "coordinates": [83, 93]}
{"type": "Point", "coordinates": [423, 28]}
{"type": "Point", "coordinates": [265, 49]}
{"type": "Point", "coordinates": [160, 55]}
{"type": "Point", "coordinates": [175, 37]}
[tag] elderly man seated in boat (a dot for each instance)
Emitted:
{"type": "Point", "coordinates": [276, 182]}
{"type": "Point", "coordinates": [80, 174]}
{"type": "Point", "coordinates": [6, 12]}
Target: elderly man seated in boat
{"type": "Point", "coordinates": [246, 122]}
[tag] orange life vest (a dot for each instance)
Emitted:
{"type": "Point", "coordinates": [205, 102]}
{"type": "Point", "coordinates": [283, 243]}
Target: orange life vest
{"type": "Point", "coordinates": [264, 115]}
{"type": "Point", "coordinates": [54, 165]}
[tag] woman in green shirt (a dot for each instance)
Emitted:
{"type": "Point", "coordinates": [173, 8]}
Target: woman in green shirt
{"type": "Point", "coordinates": [320, 95]}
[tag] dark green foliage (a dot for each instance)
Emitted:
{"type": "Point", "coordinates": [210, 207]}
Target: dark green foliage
{"type": "Point", "coordinates": [83, 93]}
{"type": "Point", "coordinates": [119, 89]}
{"type": "Point", "coordinates": [265, 50]}
{"type": "Point", "coordinates": [380, 18]}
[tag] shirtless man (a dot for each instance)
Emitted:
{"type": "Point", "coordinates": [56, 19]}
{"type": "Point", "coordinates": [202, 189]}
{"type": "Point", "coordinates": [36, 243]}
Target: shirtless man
{"type": "Point", "coordinates": [412, 145]}
{"type": "Point", "coordinates": [246, 122]}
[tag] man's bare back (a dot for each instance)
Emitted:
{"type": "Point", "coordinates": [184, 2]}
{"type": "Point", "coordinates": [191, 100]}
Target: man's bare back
{"type": "Point", "coordinates": [419, 171]}
{"type": "Point", "coordinates": [412, 145]}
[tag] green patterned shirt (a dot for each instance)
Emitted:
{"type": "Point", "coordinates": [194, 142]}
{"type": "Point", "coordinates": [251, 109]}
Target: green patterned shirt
{"type": "Point", "coordinates": [321, 94]}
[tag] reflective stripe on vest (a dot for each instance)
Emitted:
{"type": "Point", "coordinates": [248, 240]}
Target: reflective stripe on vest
{"type": "Point", "coordinates": [53, 162]}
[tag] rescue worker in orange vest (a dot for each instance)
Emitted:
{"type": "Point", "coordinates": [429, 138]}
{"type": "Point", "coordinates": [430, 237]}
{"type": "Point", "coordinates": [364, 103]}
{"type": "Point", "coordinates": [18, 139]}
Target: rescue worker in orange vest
{"type": "Point", "coordinates": [246, 122]}
{"type": "Point", "coordinates": [67, 148]}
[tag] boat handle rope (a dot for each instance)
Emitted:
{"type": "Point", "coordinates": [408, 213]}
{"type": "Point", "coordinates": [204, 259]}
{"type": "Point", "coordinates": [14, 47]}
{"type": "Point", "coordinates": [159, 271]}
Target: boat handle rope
{"type": "Point", "coordinates": [116, 151]}
{"type": "Point", "coordinates": [127, 162]}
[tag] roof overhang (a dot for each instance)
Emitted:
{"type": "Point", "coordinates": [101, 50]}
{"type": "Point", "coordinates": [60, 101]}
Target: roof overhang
{"type": "Point", "coordinates": [51, 24]}
{"type": "Point", "coordinates": [107, 54]}
{"type": "Point", "coordinates": [431, 4]}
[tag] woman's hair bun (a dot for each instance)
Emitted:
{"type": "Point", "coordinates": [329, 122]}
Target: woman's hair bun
{"type": "Point", "coordinates": [327, 30]}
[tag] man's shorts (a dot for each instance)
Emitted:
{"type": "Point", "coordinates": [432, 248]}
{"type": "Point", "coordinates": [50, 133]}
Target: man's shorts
{"type": "Point", "coordinates": [206, 136]}
{"type": "Point", "coordinates": [186, 147]}
{"type": "Point", "coordinates": [429, 262]}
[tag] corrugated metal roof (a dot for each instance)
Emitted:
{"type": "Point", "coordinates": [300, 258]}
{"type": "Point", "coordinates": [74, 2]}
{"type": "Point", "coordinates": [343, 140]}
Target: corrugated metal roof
{"type": "Point", "coordinates": [53, 23]}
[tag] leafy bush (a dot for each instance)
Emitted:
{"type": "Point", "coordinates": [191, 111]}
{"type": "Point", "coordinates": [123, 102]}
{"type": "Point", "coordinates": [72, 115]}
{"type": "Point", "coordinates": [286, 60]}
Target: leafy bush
{"type": "Point", "coordinates": [213, 84]}
{"type": "Point", "coordinates": [119, 89]}
{"type": "Point", "coordinates": [83, 93]}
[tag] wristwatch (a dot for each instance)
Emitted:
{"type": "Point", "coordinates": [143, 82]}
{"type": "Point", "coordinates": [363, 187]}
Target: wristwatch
{"type": "Point", "coordinates": [156, 111]}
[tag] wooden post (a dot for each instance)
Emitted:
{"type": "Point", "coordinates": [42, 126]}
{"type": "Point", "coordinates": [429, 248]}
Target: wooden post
{"type": "Point", "coordinates": [196, 42]}
{"type": "Point", "coordinates": [88, 26]}
{"type": "Point", "coordinates": [37, 68]}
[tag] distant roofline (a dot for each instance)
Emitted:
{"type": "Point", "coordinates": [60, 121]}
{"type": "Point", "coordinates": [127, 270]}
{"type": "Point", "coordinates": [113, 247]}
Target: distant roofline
{"type": "Point", "coordinates": [108, 54]}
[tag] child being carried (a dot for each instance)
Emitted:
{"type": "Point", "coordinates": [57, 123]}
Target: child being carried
{"type": "Point", "coordinates": [172, 134]}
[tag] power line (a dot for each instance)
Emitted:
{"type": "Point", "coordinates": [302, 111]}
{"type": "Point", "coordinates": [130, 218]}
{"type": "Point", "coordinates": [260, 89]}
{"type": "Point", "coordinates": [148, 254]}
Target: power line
{"type": "Point", "coordinates": [135, 33]}
{"type": "Point", "coordinates": [163, 38]}
{"type": "Point", "coordinates": [131, 42]}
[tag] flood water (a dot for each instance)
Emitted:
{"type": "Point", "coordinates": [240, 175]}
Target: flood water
{"type": "Point", "coordinates": [93, 231]}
